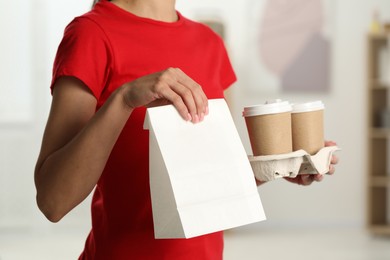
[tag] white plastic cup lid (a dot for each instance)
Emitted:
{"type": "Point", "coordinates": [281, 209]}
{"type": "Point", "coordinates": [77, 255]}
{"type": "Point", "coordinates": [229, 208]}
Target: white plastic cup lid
{"type": "Point", "coordinates": [270, 107]}
{"type": "Point", "coordinates": [308, 107]}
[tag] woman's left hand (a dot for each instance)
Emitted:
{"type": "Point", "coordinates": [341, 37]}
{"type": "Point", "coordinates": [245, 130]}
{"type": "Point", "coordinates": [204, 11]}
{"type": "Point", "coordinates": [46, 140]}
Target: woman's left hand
{"type": "Point", "coordinates": [307, 179]}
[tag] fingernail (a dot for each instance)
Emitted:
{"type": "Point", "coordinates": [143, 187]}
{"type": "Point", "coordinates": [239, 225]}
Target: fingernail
{"type": "Point", "coordinates": [189, 117]}
{"type": "Point", "coordinates": [196, 119]}
{"type": "Point", "coordinates": [201, 117]}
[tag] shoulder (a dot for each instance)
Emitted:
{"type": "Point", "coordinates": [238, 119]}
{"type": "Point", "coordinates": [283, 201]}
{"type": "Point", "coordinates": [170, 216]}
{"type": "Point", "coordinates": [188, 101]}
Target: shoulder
{"type": "Point", "coordinates": [93, 21]}
{"type": "Point", "coordinates": [85, 30]}
{"type": "Point", "coordinates": [83, 25]}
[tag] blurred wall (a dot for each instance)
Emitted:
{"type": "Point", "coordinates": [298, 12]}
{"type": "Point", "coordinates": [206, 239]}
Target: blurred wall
{"type": "Point", "coordinates": [31, 31]}
{"type": "Point", "coordinates": [34, 29]}
{"type": "Point", "coordinates": [339, 200]}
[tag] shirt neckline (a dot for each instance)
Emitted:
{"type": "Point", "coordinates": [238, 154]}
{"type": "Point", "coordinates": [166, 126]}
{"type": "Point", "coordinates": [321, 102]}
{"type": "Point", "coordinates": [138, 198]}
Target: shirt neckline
{"type": "Point", "coordinates": [132, 16]}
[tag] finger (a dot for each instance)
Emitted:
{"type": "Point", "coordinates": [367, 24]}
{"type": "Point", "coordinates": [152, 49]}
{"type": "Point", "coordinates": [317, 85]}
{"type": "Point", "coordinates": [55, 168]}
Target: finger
{"type": "Point", "coordinates": [334, 159]}
{"type": "Point", "coordinates": [318, 177]}
{"type": "Point", "coordinates": [331, 170]}
{"type": "Point", "coordinates": [306, 179]}
{"type": "Point", "coordinates": [188, 99]}
{"type": "Point", "coordinates": [173, 77]}
{"type": "Point", "coordinates": [330, 143]}
{"type": "Point", "coordinates": [197, 91]}
{"type": "Point", "coordinates": [166, 92]}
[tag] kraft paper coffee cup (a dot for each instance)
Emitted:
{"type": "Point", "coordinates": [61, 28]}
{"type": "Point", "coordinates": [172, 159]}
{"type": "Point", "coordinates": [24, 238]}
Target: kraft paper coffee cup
{"type": "Point", "coordinates": [307, 121]}
{"type": "Point", "coordinates": [269, 127]}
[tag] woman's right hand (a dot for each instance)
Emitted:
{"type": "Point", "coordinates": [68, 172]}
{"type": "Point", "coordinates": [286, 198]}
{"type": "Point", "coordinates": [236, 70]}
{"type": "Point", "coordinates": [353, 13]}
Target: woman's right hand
{"type": "Point", "coordinates": [171, 86]}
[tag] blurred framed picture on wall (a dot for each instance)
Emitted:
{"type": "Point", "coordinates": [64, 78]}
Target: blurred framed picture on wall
{"type": "Point", "coordinates": [290, 45]}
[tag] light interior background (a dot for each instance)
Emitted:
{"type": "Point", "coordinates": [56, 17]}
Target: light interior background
{"type": "Point", "coordinates": [31, 31]}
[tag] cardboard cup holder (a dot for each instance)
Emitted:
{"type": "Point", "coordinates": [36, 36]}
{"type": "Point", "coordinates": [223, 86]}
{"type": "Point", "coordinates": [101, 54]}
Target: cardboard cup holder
{"type": "Point", "coordinates": [272, 167]}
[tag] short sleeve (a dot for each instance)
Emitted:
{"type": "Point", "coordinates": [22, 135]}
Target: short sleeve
{"type": "Point", "coordinates": [84, 53]}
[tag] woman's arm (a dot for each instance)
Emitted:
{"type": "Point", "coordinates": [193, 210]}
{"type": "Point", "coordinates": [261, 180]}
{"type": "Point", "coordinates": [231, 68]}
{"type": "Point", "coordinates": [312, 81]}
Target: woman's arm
{"type": "Point", "coordinates": [77, 141]}
{"type": "Point", "coordinates": [75, 147]}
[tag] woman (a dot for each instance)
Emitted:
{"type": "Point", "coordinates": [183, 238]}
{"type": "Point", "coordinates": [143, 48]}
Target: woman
{"type": "Point", "coordinates": [112, 63]}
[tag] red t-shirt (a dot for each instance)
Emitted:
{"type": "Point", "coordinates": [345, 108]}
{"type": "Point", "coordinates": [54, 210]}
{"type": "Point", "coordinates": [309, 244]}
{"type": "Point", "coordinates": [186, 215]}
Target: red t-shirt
{"type": "Point", "coordinates": [106, 48]}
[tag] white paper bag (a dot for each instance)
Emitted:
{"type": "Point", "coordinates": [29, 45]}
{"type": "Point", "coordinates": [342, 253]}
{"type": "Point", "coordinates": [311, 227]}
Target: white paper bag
{"type": "Point", "coordinates": [201, 180]}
